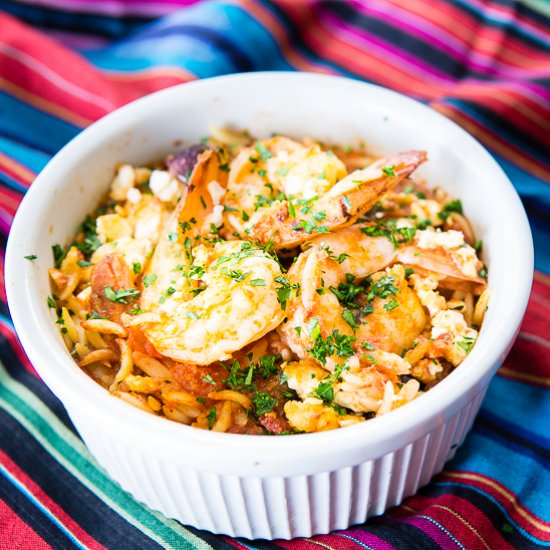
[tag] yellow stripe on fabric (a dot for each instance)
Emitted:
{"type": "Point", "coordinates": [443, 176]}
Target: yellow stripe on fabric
{"type": "Point", "coordinates": [69, 451]}
{"type": "Point", "coordinates": [464, 522]}
{"type": "Point", "coordinates": [510, 497]}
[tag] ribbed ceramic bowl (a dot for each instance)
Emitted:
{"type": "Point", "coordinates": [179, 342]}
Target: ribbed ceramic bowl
{"type": "Point", "coordinates": [252, 486]}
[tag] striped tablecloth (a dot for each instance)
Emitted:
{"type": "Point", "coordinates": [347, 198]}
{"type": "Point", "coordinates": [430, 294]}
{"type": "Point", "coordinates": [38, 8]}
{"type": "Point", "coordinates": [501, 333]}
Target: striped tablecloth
{"type": "Point", "coordinates": [483, 63]}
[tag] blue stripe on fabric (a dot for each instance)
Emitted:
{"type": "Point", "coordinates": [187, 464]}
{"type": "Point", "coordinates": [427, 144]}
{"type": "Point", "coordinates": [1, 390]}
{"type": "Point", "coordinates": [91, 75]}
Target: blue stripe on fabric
{"type": "Point", "coordinates": [32, 158]}
{"type": "Point", "coordinates": [504, 129]}
{"type": "Point", "coordinates": [199, 40]}
{"type": "Point", "coordinates": [516, 471]}
{"type": "Point", "coordinates": [9, 182]}
{"type": "Point", "coordinates": [22, 489]}
{"type": "Point", "coordinates": [513, 402]}
{"type": "Point", "coordinates": [32, 126]}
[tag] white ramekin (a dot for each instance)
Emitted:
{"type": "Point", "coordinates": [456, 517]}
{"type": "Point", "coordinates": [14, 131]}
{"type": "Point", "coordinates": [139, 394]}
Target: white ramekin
{"type": "Point", "coordinates": [270, 487]}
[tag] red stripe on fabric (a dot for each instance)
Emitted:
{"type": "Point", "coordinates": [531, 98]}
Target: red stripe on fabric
{"type": "Point", "coordinates": [476, 36]}
{"type": "Point", "coordinates": [65, 519]}
{"type": "Point", "coordinates": [15, 533]}
{"type": "Point", "coordinates": [461, 518]}
{"type": "Point", "coordinates": [9, 200]}
{"type": "Point", "coordinates": [47, 73]}
{"type": "Point", "coordinates": [518, 512]}
{"type": "Point", "coordinates": [529, 359]}
{"type": "Point", "coordinates": [494, 141]}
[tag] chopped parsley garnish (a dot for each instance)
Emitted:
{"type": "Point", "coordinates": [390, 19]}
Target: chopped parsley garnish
{"type": "Point", "coordinates": [148, 280]}
{"type": "Point", "coordinates": [209, 380]}
{"type": "Point", "coordinates": [262, 173]}
{"type": "Point", "coordinates": [309, 226]}
{"type": "Point", "coordinates": [58, 254]}
{"type": "Point", "coordinates": [390, 305]}
{"type": "Point", "coordinates": [136, 268]}
{"type": "Point", "coordinates": [284, 291]}
{"type": "Point", "coordinates": [324, 390]}
{"type": "Point", "coordinates": [389, 170]}
{"type": "Point", "coordinates": [466, 343]}
{"type": "Point", "coordinates": [409, 189]}
{"type": "Point", "coordinates": [347, 291]}
{"type": "Point", "coordinates": [262, 151]}
{"type": "Point", "coordinates": [172, 237]}
{"type": "Point", "coordinates": [31, 257]}
{"type": "Point", "coordinates": [211, 416]}
{"type": "Point", "coordinates": [136, 311]}
{"type": "Point", "coordinates": [83, 263]}
{"type": "Point", "coordinates": [267, 366]}
{"type": "Point", "coordinates": [168, 292]}
{"type": "Point", "coordinates": [257, 282]}
{"type": "Point", "coordinates": [263, 403]}
{"type": "Point", "coordinates": [450, 207]}
{"type": "Point", "coordinates": [122, 295]}
{"type": "Point", "coordinates": [282, 171]}
{"type": "Point", "coordinates": [388, 229]}
{"type": "Point", "coordinates": [313, 328]}
{"type": "Point", "coordinates": [348, 317]}
{"type": "Point", "coordinates": [483, 273]}
{"type": "Point", "coordinates": [203, 202]}
{"type": "Point", "coordinates": [382, 288]}
{"type": "Point", "coordinates": [334, 344]}
{"type": "Point", "coordinates": [235, 274]}
{"type": "Point", "coordinates": [478, 245]}
{"type": "Point", "coordinates": [51, 303]}
{"type": "Point", "coordinates": [90, 242]}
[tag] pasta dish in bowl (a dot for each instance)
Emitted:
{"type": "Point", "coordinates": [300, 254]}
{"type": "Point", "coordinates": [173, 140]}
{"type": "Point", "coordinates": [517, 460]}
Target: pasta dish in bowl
{"type": "Point", "coordinates": [271, 286]}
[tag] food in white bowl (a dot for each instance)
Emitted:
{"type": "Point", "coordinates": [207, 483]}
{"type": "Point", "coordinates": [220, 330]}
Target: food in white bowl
{"type": "Point", "coordinates": [239, 484]}
{"type": "Point", "coordinates": [267, 287]}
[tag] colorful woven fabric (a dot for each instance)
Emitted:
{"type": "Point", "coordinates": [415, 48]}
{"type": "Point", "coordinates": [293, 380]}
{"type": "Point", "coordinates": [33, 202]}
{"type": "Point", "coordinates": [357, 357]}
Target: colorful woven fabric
{"type": "Point", "coordinates": [483, 63]}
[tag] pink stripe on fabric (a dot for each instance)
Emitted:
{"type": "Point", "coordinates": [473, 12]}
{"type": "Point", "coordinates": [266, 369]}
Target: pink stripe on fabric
{"type": "Point", "coordinates": [385, 49]}
{"type": "Point", "coordinates": [114, 8]}
{"type": "Point", "coordinates": [509, 16]}
{"type": "Point", "coordinates": [368, 540]}
{"type": "Point", "coordinates": [435, 531]}
{"type": "Point", "coordinates": [431, 34]}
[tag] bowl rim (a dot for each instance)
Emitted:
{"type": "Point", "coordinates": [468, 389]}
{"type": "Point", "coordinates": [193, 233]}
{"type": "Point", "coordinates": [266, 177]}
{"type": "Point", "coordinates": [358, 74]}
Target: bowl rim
{"type": "Point", "coordinates": [71, 384]}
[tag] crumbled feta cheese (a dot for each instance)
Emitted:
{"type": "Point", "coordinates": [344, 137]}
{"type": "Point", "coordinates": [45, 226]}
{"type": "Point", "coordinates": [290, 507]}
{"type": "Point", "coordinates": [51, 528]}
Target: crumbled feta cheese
{"type": "Point", "coordinates": [453, 323]}
{"type": "Point", "coordinates": [216, 217]}
{"type": "Point", "coordinates": [216, 191]}
{"type": "Point", "coordinates": [164, 186]}
{"type": "Point", "coordinates": [111, 227]}
{"type": "Point", "coordinates": [133, 195]}
{"type": "Point", "coordinates": [428, 296]}
{"type": "Point", "coordinates": [426, 209]}
{"type": "Point", "coordinates": [433, 239]}
{"type": "Point", "coordinates": [123, 182]}
{"type": "Point", "coordinates": [467, 260]}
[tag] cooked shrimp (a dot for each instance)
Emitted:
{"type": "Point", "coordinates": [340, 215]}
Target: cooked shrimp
{"type": "Point", "coordinates": [285, 193]}
{"type": "Point", "coordinates": [237, 305]}
{"type": "Point", "coordinates": [386, 313]}
{"type": "Point", "coordinates": [443, 253]}
{"type": "Point", "coordinates": [198, 208]}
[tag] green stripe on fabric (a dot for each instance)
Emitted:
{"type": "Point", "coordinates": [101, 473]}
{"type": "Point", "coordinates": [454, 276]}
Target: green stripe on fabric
{"type": "Point", "coordinates": [542, 6]}
{"type": "Point", "coordinates": [72, 454]}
